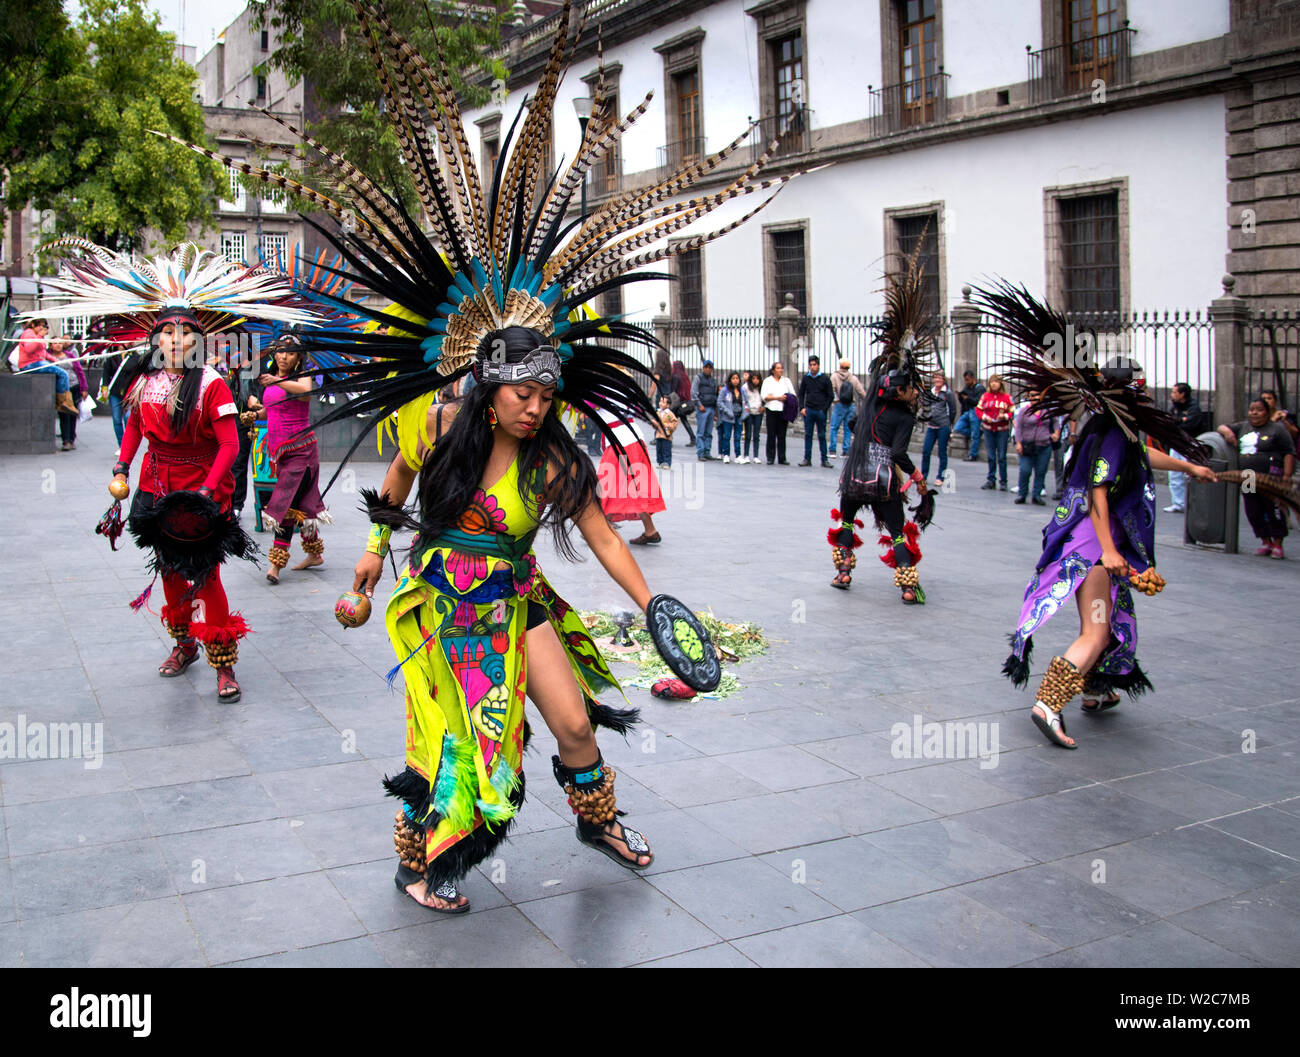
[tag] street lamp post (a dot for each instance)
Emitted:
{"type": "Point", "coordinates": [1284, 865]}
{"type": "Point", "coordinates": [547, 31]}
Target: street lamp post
{"type": "Point", "coordinates": [582, 107]}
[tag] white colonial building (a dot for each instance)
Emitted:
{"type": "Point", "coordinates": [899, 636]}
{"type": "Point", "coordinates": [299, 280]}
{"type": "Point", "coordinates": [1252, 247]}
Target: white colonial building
{"type": "Point", "coordinates": [1077, 146]}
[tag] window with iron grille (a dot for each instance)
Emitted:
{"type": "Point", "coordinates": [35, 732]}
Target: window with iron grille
{"type": "Point", "coordinates": [611, 302]}
{"type": "Point", "coordinates": [921, 230]}
{"type": "Point", "coordinates": [234, 246]}
{"type": "Point", "coordinates": [275, 249]}
{"type": "Point", "coordinates": [261, 87]}
{"type": "Point", "coordinates": [787, 273]}
{"type": "Point", "coordinates": [1090, 264]}
{"type": "Point", "coordinates": [690, 286]}
{"type": "Point", "coordinates": [235, 200]}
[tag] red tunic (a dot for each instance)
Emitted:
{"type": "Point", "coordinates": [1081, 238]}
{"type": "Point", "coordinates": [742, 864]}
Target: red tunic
{"type": "Point", "coordinates": [201, 455]}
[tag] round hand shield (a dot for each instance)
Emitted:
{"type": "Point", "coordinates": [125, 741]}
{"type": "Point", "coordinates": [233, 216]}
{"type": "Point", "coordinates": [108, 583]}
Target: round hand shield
{"type": "Point", "coordinates": [683, 643]}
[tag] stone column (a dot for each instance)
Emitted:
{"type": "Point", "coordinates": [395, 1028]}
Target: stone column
{"type": "Point", "coordinates": [1230, 315]}
{"type": "Point", "coordinates": [787, 322]}
{"type": "Point", "coordinates": [965, 339]}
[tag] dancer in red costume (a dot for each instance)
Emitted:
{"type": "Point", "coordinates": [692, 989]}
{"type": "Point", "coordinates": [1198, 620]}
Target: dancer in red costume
{"type": "Point", "coordinates": [182, 510]}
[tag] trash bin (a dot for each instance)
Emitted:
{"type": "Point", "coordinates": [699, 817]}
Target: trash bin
{"type": "Point", "coordinates": [1212, 508]}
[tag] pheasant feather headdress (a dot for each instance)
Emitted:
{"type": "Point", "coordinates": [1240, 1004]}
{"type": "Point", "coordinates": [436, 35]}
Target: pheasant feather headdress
{"type": "Point", "coordinates": [486, 254]}
{"type": "Point", "coordinates": [130, 297]}
{"type": "Point", "coordinates": [908, 331]}
{"type": "Point", "coordinates": [1070, 381]}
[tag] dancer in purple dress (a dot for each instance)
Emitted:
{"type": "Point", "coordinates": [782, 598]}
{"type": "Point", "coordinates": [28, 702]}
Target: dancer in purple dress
{"type": "Point", "coordinates": [1100, 542]}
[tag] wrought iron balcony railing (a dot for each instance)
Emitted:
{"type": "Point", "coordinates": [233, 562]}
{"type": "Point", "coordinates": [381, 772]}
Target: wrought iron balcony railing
{"type": "Point", "coordinates": [790, 132]}
{"type": "Point", "coordinates": [675, 155]}
{"type": "Point", "coordinates": [912, 104]}
{"type": "Point", "coordinates": [1080, 65]}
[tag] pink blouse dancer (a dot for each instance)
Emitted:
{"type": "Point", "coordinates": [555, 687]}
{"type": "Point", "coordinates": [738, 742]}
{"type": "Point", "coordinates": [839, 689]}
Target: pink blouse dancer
{"type": "Point", "coordinates": [295, 461]}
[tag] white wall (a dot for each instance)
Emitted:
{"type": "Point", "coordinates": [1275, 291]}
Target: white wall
{"type": "Point", "coordinates": [842, 58]}
{"type": "Point", "coordinates": [1166, 23]}
{"type": "Point", "coordinates": [984, 42]}
{"type": "Point", "coordinates": [993, 190]}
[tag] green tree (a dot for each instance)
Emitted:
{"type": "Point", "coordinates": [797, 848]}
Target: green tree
{"type": "Point", "coordinates": [321, 44]}
{"type": "Point", "coordinates": [103, 175]}
{"type": "Point", "coordinates": [37, 47]}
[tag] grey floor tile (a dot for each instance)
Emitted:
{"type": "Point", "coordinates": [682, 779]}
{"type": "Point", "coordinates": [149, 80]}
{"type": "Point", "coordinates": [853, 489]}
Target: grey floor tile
{"type": "Point", "coordinates": [1225, 858]}
{"type": "Point", "coordinates": [714, 736]}
{"type": "Point", "coordinates": [946, 789]}
{"type": "Point", "coordinates": [832, 943]}
{"type": "Point", "coordinates": [719, 956]}
{"type": "Point", "coordinates": [858, 806]}
{"type": "Point", "coordinates": [1137, 876]}
{"type": "Point", "coordinates": [200, 761]}
{"type": "Point", "coordinates": [1257, 925]}
{"type": "Point", "coordinates": [549, 862]}
{"type": "Point", "coordinates": [783, 767]}
{"type": "Point", "coordinates": [685, 783]}
{"type": "Point", "coordinates": [951, 929]}
{"type": "Point", "coordinates": [501, 938]}
{"type": "Point", "coordinates": [269, 917]}
{"type": "Point", "coordinates": [1051, 827]}
{"type": "Point", "coordinates": [680, 840]}
{"type": "Point", "coordinates": [741, 897]}
{"type": "Point", "coordinates": [1057, 905]}
{"type": "Point", "coordinates": [866, 755]}
{"type": "Point", "coordinates": [1265, 827]}
{"type": "Point", "coordinates": [207, 805]}
{"type": "Point", "coordinates": [1156, 945]}
{"type": "Point", "coordinates": [77, 822]}
{"type": "Point", "coordinates": [308, 789]}
{"type": "Point", "coordinates": [767, 823]}
{"type": "Point", "coordinates": [374, 898]}
{"type": "Point", "coordinates": [360, 953]}
{"type": "Point", "coordinates": [63, 882]}
{"type": "Point", "coordinates": [233, 855]}
{"type": "Point", "coordinates": [617, 925]}
{"type": "Point", "coordinates": [949, 849]}
{"type": "Point", "coordinates": [1176, 791]}
{"type": "Point", "coordinates": [798, 724]}
{"type": "Point", "coordinates": [852, 873]}
{"type": "Point", "coordinates": [31, 781]}
{"type": "Point", "coordinates": [149, 933]}
{"type": "Point", "coordinates": [348, 835]}
{"type": "Point", "coordinates": [8, 911]}
{"type": "Point", "coordinates": [318, 746]}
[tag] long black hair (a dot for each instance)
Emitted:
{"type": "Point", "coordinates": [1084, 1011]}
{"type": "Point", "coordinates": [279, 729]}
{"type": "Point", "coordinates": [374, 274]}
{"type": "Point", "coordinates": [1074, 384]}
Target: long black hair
{"type": "Point", "coordinates": [452, 472]}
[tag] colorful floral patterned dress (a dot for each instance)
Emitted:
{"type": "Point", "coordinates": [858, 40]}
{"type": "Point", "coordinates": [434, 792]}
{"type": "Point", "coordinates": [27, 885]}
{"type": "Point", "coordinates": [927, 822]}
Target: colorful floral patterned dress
{"type": "Point", "coordinates": [457, 620]}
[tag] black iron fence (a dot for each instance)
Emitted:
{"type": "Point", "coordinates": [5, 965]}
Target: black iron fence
{"type": "Point", "coordinates": [1272, 357]}
{"type": "Point", "coordinates": [913, 104]}
{"type": "Point", "coordinates": [1170, 347]}
{"type": "Point", "coordinates": [1078, 66]}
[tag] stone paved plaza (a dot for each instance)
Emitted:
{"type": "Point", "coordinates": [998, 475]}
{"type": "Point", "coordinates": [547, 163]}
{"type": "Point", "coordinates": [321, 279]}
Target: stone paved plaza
{"type": "Point", "coordinates": [788, 826]}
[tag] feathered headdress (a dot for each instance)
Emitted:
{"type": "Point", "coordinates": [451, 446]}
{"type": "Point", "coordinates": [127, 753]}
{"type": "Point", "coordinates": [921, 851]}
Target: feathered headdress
{"type": "Point", "coordinates": [908, 331]}
{"type": "Point", "coordinates": [499, 255]}
{"type": "Point", "coordinates": [131, 298]}
{"type": "Point", "coordinates": [1069, 380]}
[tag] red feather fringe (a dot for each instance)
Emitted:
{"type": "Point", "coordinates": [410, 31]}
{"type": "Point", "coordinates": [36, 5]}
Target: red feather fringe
{"type": "Point", "coordinates": [235, 628]}
{"type": "Point", "coordinates": [833, 538]}
{"type": "Point", "coordinates": [913, 536]}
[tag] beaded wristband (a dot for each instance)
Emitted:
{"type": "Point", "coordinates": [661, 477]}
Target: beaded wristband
{"type": "Point", "coordinates": [378, 542]}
